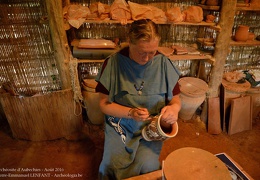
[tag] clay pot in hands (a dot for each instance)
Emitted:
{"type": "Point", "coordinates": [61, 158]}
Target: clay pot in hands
{"type": "Point", "coordinates": [154, 131]}
{"type": "Point", "coordinates": [242, 33]}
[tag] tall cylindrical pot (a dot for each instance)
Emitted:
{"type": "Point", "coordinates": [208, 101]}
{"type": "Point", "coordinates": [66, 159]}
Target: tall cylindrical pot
{"type": "Point", "coordinates": [190, 105]}
{"type": "Point", "coordinates": [193, 93]}
{"type": "Point", "coordinates": [91, 101]}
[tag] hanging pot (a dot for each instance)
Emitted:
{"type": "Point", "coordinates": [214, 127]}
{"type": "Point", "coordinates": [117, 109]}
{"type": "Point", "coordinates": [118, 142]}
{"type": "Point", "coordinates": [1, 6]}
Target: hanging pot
{"type": "Point", "coordinates": [242, 33]}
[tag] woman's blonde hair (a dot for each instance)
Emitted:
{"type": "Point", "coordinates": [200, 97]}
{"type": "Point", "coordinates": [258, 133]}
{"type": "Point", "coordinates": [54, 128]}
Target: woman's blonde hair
{"type": "Point", "coordinates": [143, 29]}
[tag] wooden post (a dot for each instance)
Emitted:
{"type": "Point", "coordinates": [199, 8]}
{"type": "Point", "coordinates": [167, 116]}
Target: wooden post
{"type": "Point", "coordinates": [59, 39]}
{"type": "Point", "coordinates": [226, 22]}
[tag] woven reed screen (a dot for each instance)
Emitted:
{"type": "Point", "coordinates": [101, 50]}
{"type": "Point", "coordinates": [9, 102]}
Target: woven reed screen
{"type": "Point", "coordinates": [27, 60]}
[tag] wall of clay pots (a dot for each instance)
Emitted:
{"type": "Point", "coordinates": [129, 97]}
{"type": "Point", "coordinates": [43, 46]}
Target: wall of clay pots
{"type": "Point", "coordinates": [242, 55]}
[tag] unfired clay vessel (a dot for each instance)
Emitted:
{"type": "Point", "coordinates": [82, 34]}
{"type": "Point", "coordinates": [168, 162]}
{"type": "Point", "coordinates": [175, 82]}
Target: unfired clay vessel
{"type": "Point", "coordinates": [251, 36]}
{"type": "Point", "coordinates": [242, 33]}
{"type": "Point", "coordinates": [210, 18]}
{"type": "Point", "coordinates": [154, 131]}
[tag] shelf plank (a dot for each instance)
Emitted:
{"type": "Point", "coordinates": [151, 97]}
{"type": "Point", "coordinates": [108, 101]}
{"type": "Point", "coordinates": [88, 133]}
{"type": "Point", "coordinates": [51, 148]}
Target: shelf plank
{"type": "Point", "coordinates": [90, 60]}
{"type": "Point", "coordinates": [232, 43]}
{"type": "Point", "coordinates": [243, 5]}
{"type": "Point", "coordinates": [239, 7]}
{"type": "Point", "coordinates": [205, 57]}
{"type": "Point", "coordinates": [188, 57]}
{"type": "Point", "coordinates": [247, 43]}
{"type": "Point", "coordinates": [110, 21]}
{"type": "Point", "coordinates": [214, 8]}
{"type": "Point", "coordinates": [203, 23]}
{"type": "Point", "coordinates": [247, 7]}
{"type": "Point", "coordinates": [205, 42]}
{"type": "Point", "coordinates": [171, 57]}
{"type": "Point", "coordinates": [216, 28]}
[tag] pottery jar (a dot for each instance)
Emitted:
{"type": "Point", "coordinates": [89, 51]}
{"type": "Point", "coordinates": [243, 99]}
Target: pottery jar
{"type": "Point", "coordinates": [242, 33]}
{"type": "Point", "coordinates": [192, 95]}
{"type": "Point", "coordinates": [154, 131]}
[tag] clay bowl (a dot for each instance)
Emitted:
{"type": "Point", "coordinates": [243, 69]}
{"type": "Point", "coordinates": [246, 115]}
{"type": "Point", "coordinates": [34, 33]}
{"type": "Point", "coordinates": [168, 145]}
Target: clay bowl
{"type": "Point", "coordinates": [251, 36]}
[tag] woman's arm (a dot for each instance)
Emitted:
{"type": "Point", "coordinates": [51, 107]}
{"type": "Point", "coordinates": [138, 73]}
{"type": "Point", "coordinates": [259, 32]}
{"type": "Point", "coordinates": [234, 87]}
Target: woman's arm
{"type": "Point", "coordinates": [117, 110]}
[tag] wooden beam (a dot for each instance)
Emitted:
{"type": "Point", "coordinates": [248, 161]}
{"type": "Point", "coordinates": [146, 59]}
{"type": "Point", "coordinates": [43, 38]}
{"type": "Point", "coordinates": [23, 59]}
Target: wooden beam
{"type": "Point", "coordinates": [222, 45]}
{"type": "Point", "coordinates": [59, 39]}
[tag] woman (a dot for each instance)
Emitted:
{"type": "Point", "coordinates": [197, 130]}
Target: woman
{"type": "Point", "coordinates": [133, 84]}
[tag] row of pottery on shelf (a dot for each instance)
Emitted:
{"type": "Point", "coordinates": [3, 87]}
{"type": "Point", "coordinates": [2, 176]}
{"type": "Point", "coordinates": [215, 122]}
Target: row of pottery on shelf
{"type": "Point", "coordinates": [243, 34]}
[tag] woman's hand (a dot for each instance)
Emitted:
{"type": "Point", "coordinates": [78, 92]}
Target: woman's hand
{"type": "Point", "coordinates": [170, 112]}
{"type": "Point", "coordinates": [139, 114]}
{"type": "Point", "coordinates": [117, 110]}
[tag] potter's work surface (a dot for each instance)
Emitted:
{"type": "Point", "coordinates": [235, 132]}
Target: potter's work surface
{"type": "Point", "coordinates": [192, 163]}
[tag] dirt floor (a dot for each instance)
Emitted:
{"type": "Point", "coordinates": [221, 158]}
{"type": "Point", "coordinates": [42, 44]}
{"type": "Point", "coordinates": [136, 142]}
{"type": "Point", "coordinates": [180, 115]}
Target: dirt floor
{"type": "Point", "coordinates": [80, 158]}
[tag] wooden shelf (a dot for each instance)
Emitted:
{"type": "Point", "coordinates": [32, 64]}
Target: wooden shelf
{"type": "Point", "coordinates": [188, 57]}
{"type": "Point", "coordinates": [171, 57]}
{"type": "Point", "coordinates": [205, 42]}
{"type": "Point", "coordinates": [205, 57]}
{"type": "Point", "coordinates": [251, 8]}
{"type": "Point", "coordinates": [203, 23]}
{"type": "Point", "coordinates": [213, 8]}
{"type": "Point", "coordinates": [232, 43]}
{"type": "Point", "coordinates": [247, 7]}
{"type": "Point", "coordinates": [90, 60]}
{"type": "Point", "coordinates": [239, 7]}
{"type": "Point", "coordinates": [201, 56]}
{"type": "Point", "coordinates": [216, 28]}
{"type": "Point", "coordinates": [99, 21]}
{"type": "Point", "coordinates": [247, 43]}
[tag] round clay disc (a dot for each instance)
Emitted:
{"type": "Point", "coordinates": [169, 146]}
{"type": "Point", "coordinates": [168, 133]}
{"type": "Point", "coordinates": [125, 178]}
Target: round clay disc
{"type": "Point", "coordinates": [192, 163]}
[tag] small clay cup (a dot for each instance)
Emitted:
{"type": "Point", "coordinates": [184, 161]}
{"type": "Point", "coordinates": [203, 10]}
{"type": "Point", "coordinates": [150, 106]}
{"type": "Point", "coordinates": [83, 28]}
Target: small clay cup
{"type": "Point", "coordinates": [251, 36]}
{"type": "Point", "coordinates": [154, 131]}
{"type": "Point", "coordinates": [242, 33]}
{"type": "Point", "coordinates": [210, 18]}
